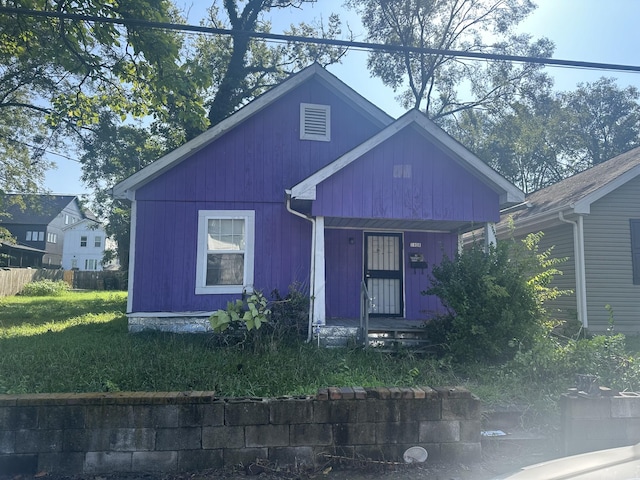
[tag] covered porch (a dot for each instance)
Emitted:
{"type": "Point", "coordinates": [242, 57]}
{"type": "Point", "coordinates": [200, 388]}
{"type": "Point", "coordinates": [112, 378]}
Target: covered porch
{"type": "Point", "coordinates": [382, 215]}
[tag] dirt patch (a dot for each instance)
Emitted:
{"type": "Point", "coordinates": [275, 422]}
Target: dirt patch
{"type": "Point", "coordinates": [494, 463]}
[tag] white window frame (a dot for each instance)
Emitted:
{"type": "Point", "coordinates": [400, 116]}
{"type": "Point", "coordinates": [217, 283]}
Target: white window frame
{"type": "Point", "coordinates": [40, 236]}
{"type": "Point", "coordinates": [201, 260]}
{"type": "Point", "coordinates": [97, 242]}
{"type": "Point", "coordinates": [304, 134]}
{"type": "Point", "coordinates": [85, 239]}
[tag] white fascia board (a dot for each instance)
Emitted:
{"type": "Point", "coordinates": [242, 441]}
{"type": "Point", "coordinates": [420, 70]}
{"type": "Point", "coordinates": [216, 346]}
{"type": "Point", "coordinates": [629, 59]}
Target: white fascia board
{"type": "Point", "coordinates": [509, 193]}
{"type": "Point", "coordinates": [305, 190]}
{"type": "Point", "coordinates": [74, 226]}
{"type": "Point", "coordinates": [372, 110]}
{"type": "Point", "coordinates": [583, 206]}
{"type": "Point", "coordinates": [124, 189]}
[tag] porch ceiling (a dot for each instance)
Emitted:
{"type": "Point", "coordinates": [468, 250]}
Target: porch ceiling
{"type": "Point", "coordinates": [398, 224]}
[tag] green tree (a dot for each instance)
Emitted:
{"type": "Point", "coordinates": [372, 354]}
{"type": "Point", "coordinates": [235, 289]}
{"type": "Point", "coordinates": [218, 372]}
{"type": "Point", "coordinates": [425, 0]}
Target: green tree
{"type": "Point", "coordinates": [441, 84]}
{"type": "Point", "coordinates": [526, 142]}
{"type": "Point", "coordinates": [22, 142]}
{"type": "Point", "coordinates": [112, 153]}
{"type": "Point", "coordinates": [605, 121]}
{"type": "Point", "coordinates": [237, 69]}
{"type": "Point", "coordinates": [542, 137]}
{"type": "Point", "coordinates": [67, 70]}
{"type": "Point", "coordinates": [243, 67]}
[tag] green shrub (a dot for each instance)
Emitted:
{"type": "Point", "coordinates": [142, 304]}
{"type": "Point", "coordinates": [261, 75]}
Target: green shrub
{"type": "Point", "coordinates": [494, 300]}
{"type": "Point", "coordinates": [290, 314]}
{"type": "Point", "coordinates": [45, 288]}
{"type": "Point", "coordinates": [262, 325]}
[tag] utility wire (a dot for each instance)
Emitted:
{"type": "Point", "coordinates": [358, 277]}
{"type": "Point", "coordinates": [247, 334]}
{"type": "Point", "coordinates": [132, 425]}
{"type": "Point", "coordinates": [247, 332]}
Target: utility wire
{"type": "Point", "coordinates": [323, 41]}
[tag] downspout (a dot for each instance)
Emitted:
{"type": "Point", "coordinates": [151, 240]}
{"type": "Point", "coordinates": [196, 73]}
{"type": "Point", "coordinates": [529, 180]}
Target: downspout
{"type": "Point", "coordinates": [313, 264]}
{"type": "Point", "coordinates": [581, 281]}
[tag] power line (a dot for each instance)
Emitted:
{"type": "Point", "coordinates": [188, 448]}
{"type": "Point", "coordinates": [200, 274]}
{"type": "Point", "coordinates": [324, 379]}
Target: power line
{"type": "Point", "coordinates": [43, 149]}
{"type": "Point", "coordinates": [322, 41]}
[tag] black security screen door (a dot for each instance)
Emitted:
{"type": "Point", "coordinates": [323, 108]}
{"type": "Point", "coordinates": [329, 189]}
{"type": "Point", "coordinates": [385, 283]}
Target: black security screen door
{"type": "Point", "coordinates": [383, 272]}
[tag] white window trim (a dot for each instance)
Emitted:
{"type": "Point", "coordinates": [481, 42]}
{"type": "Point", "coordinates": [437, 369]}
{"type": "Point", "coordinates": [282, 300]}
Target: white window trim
{"type": "Point", "coordinates": [304, 135]}
{"type": "Point", "coordinates": [201, 260]}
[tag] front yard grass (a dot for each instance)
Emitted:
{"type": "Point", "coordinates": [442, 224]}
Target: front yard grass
{"type": "Point", "coordinates": [79, 342]}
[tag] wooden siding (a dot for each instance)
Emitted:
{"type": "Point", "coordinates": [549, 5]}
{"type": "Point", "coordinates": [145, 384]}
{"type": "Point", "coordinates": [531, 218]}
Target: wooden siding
{"type": "Point", "coordinates": [165, 261]}
{"type": "Point", "coordinates": [608, 260]}
{"type": "Point", "coordinates": [248, 168]}
{"type": "Point", "coordinates": [434, 246]}
{"type": "Point", "coordinates": [258, 160]}
{"type": "Point", "coordinates": [406, 177]}
{"type": "Point", "coordinates": [344, 270]}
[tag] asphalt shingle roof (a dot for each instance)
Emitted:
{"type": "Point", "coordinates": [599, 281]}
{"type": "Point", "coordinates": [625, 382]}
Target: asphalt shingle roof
{"type": "Point", "coordinates": [577, 187]}
{"type": "Point", "coordinates": [39, 209]}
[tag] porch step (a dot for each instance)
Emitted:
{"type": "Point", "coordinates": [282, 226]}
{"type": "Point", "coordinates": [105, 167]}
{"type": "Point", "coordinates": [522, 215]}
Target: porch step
{"type": "Point", "coordinates": [392, 339]}
{"type": "Point", "coordinates": [337, 336]}
{"type": "Point", "coordinates": [384, 338]}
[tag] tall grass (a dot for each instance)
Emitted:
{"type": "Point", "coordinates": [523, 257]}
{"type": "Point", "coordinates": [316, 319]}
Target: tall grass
{"type": "Point", "coordinates": [78, 342]}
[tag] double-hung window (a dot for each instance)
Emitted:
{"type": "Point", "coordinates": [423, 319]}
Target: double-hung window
{"type": "Point", "coordinates": [225, 251]}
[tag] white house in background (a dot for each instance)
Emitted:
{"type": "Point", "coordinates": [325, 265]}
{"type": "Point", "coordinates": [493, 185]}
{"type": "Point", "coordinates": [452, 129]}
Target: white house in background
{"type": "Point", "coordinates": [84, 246]}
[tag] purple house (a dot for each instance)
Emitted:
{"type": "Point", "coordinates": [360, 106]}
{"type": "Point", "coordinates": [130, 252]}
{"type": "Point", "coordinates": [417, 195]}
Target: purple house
{"type": "Point", "coordinates": [309, 184]}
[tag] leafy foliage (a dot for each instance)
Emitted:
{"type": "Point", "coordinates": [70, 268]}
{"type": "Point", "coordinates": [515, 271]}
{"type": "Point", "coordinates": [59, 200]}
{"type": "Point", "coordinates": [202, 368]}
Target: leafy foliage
{"type": "Point", "coordinates": [463, 25]}
{"type": "Point", "coordinates": [605, 121]}
{"type": "Point", "coordinates": [557, 360]}
{"type": "Point", "coordinates": [261, 325]}
{"type": "Point", "coordinates": [494, 300]}
{"type": "Point", "coordinates": [243, 67]}
{"type": "Point", "coordinates": [112, 153]}
{"type": "Point", "coordinates": [45, 288]}
{"type": "Point", "coordinates": [539, 137]}
{"type": "Point", "coordinates": [290, 314]}
{"type": "Point", "coordinates": [249, 313]}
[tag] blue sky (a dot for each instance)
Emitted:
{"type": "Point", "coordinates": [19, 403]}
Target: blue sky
{"type": "Point", "coordinates": [604, 31]}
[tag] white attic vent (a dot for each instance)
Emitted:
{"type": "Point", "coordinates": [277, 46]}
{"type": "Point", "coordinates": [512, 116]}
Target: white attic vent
{"type": "Point", "coordinates": [315, 122]}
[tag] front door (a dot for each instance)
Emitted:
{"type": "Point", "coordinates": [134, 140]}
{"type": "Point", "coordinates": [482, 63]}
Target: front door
{"type": "Point", "coordinates": [383, 272]}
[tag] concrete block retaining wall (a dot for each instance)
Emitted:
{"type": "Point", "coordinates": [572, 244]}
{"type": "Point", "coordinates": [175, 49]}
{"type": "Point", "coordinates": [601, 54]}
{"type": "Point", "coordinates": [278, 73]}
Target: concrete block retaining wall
{"type": "Point", "coordinates": [597, 422]}
{"type": "Point", "coordinates": [172, 432]}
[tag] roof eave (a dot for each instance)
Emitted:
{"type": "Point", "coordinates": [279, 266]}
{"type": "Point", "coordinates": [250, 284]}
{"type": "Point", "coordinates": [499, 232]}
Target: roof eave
{"type": "Point", "coordinates": [509, 193]}
{"type": "Point", "coordinates": [126, 188]}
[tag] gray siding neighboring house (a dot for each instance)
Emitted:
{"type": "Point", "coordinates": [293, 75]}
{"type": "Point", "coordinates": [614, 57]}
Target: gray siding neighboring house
{"type": "Point", "coordinates": [588, 218]}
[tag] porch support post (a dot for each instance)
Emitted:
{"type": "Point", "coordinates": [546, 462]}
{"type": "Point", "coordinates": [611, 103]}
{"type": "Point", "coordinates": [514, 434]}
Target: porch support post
{"type": "Point", "coordinates": [318, 294]}
{"type": "Point", "coordinates": [489, 236]}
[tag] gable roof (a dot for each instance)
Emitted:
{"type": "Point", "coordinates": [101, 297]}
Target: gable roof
{"type": "Point", "coordinates": [87, 222]}
{"type": "Point", "coordinates": [577, 193]}
{"type": "Point", "coordinates": [127, 187]}
{"type": "Point", "coordinates": [38, 210]}
{"type": "Point", "coordinates": [509, 193]}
